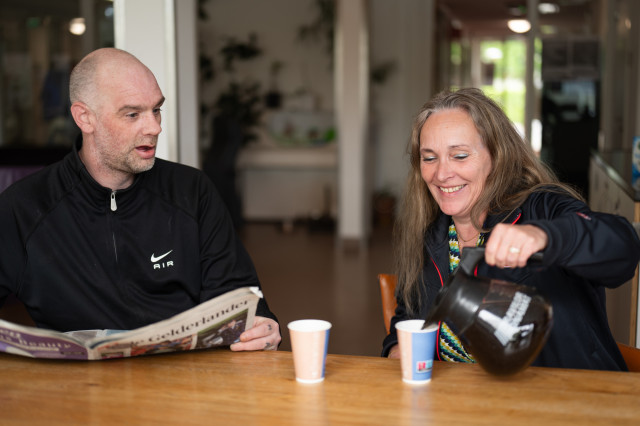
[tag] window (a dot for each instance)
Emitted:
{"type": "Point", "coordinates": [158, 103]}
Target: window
{"type": "Point", "coordinates": [40, 42]}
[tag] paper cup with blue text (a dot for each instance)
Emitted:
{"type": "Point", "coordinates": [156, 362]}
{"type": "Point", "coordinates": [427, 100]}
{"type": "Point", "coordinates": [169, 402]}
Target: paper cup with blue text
{"type": "Point", "coordinates": [309, 343]}
{"type": "Point", "coordinates": [417, 349]}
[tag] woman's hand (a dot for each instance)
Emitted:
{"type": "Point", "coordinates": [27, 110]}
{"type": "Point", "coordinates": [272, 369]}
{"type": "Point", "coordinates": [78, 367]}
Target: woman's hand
{"type": "Point", "coordinates": [264, 335]}
{"type": "Point", "coordinates": [510, 246]}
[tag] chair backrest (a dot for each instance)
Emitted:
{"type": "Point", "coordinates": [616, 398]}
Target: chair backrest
{"type": "Point", "coordinates": [631, 357]}
{"type": "Point", "coordinates": [388, 284]}
{"type": "Point", "coordinates": [11, 174]}
{"type": "Point", "coordinates": [14, 311]}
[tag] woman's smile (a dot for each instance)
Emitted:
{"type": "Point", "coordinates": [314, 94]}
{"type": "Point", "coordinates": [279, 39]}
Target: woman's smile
{"type": "Point", "coordinates": [452, 189]}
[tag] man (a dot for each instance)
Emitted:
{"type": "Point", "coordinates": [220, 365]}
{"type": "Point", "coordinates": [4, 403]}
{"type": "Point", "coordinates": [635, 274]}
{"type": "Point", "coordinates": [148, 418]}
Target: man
{"type": "Point", "coordinates": [111, 237]}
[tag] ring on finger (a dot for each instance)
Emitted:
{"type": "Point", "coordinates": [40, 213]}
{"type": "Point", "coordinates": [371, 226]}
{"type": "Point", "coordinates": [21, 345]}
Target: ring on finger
{"type": "Point", "coordinates": [514, 250]}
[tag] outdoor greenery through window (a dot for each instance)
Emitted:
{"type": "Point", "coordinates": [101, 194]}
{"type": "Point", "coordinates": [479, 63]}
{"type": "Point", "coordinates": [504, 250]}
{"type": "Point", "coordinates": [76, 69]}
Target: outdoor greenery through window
{"type": "Point", "coordinates": [502, 74]}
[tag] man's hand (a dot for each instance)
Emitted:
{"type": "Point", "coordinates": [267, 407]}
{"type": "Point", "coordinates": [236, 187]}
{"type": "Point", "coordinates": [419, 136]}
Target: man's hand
{"type": "Point", "coordinates": [265, 335]}
{"type": "Point", "coordinates": [394, 352]}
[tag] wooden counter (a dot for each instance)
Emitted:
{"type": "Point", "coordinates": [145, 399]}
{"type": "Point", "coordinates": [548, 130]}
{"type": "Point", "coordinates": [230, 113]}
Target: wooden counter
{"type": "Point", "coordinates": [221, 387]}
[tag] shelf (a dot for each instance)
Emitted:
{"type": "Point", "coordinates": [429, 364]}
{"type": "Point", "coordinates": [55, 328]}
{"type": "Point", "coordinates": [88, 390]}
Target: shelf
{"type": "Point", "coordinates": [284, 158]}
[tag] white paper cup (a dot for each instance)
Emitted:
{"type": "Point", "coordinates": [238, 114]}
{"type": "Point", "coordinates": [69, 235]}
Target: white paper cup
{"type": "Point", "coordinates": [417, 349]}
{"type": "Point", "coordinates": [309, 342]}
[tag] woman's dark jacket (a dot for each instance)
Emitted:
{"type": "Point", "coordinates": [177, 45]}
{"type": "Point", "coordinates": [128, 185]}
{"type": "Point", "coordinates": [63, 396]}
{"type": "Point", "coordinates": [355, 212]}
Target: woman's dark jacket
{"type": "Point", "coordinates": [586, 252]}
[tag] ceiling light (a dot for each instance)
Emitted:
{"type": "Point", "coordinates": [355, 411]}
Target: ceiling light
{"type": "Point", "coordinates": [548, 8]}
{"type": "Point", "coordinates": [519, 25]}
{"type": "Point", "coordinates": [77, 26]}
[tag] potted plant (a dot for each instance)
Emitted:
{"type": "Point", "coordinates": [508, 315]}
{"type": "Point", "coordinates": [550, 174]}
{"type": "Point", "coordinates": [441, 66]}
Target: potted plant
{"type": "Point", "coordinates": [236, 113]}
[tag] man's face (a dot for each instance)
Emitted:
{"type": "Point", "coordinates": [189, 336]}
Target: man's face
{"type": "Point", "coordinates": [128, 121]}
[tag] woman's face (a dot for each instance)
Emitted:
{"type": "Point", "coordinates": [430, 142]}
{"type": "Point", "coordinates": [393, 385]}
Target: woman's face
{"type": "Point", "coordinates": [454, 161]}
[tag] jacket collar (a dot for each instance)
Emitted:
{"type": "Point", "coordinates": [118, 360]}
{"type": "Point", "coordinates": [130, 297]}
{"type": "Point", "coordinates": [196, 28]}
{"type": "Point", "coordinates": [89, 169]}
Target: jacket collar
{"type": "Point", "coordinates": [511, 217]}
{"type": "Point", "coordinates": [79, 167]}
{"type": "Point", "coordinates": [75, 161]}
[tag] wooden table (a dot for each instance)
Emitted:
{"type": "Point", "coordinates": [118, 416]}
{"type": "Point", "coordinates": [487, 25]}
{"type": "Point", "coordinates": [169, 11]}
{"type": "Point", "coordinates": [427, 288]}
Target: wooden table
{"type": "Point", "coordinates": [221, 387]}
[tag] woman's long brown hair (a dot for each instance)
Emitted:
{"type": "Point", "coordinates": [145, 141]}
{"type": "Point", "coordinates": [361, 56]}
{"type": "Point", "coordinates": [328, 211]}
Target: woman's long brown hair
{"type": "Point", "coordinates": [516, 173]}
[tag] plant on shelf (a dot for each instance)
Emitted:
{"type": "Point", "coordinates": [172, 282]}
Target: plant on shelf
{"type": "Point", "coordinates": [235, 114]}
{"type": "Point", "coordinates": [322, 27]}
{"type": "Point", "coordinates": [273, 98]}
{"type": "Point", "coordinates": [240, 103]}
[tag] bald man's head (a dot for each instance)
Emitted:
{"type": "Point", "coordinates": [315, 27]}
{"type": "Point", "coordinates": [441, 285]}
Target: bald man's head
{"type": "Point", "coordinates": [94, 69]}
{"type": "Point", "coordinates": [116, 103]}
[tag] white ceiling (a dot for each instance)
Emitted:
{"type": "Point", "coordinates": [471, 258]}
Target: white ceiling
{"type": "Point", "coordinates": [489, 17]}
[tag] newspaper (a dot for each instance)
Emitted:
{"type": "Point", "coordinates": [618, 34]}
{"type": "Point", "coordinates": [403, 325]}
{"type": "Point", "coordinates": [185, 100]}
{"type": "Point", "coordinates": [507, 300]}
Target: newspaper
{"type": "Point", "coordinates": [216, 322]}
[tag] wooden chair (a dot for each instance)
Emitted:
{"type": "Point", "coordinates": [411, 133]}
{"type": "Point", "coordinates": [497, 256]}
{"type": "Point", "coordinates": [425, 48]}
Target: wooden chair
{"type": "Point", "coordinates": [631, 357]}
{"type": "Point", "coordinates": [388, 284]}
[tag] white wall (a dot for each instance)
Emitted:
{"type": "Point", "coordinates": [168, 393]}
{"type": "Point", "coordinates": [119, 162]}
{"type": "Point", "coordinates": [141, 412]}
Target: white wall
{"type": "Point", "coordinates": [400, 31]}
{"type": "Point", "coordinates": [163, 38]}
{"type": "Point", "coordinates": [276, 23]}
{"type": "Point", "coordinates": [352, 107]}
{"type": "Point", "coordinates": [188, 112]}
{"type": "Point", "coordinates": [154, 45]}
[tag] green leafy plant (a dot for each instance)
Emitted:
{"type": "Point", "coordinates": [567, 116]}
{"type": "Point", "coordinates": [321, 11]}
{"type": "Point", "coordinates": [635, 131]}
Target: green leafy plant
{"type": "Point", "coordinates": [322, 27]}
{"type": "Point", "coordinates": [241, 103]}
{"type": "Point", "coordinates": [234, 50]}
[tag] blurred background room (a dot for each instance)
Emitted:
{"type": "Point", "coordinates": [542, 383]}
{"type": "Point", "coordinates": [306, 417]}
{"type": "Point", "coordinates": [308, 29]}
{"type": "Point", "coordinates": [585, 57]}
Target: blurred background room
{"type": "Point", "coordinates": [300, 112]}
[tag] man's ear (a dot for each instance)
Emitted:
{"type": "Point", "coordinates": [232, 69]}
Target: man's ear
{"type": "Point", "coordinates": [83, 116]}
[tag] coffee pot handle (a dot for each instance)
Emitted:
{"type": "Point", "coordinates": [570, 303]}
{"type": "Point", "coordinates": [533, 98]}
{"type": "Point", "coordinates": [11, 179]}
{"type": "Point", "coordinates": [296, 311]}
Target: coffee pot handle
{"type": "Point", "coordinates": [472, 255]}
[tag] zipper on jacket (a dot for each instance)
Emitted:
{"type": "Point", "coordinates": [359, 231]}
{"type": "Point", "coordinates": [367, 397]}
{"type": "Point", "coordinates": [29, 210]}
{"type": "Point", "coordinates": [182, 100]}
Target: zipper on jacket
{"type": "Point", "coordinates": [114, 206]}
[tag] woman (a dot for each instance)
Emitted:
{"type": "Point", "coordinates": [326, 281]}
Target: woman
{"type": "Point", "coordinates": [474, 181]}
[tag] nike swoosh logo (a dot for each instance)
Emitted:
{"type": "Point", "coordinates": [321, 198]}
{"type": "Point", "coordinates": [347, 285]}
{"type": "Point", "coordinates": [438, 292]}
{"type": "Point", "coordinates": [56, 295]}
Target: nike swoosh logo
{"type": "Point", "coordinates": [155, 259]}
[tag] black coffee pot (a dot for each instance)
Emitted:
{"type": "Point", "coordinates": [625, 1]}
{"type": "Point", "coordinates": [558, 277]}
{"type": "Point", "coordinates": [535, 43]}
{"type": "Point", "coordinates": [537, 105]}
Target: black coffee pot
{"type": "Point", "coordinates": [503, 324]}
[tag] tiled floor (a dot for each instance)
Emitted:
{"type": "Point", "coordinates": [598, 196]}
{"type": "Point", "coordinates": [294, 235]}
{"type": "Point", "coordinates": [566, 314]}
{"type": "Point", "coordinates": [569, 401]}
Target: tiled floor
{"type": "Point", "coordinates": [304, 275]}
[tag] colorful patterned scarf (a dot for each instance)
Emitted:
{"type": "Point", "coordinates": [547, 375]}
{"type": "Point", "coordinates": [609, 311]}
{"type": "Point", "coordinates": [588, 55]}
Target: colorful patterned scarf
{"type": "Point", "coordinates": [450, 347]}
